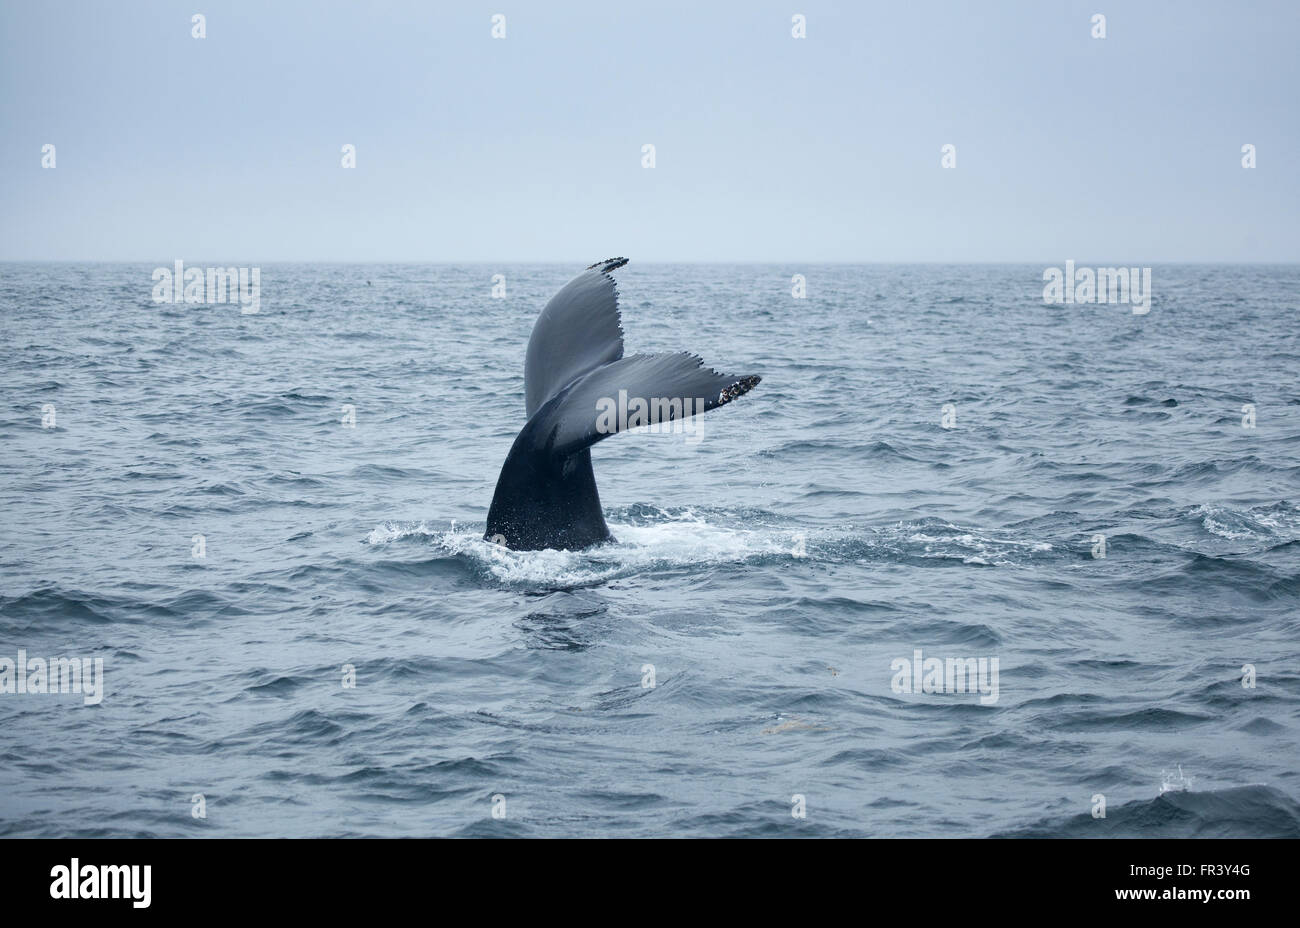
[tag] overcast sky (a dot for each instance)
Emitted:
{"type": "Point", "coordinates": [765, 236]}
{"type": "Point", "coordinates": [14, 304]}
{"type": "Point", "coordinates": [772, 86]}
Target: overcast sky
{"type": "Point", "coordinates": [529, 148]}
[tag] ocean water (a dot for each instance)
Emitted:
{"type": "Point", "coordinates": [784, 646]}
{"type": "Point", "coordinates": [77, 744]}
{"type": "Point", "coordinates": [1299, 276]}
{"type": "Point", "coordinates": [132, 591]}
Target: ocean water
{"type": "Point", "coordinates": [769, 572]}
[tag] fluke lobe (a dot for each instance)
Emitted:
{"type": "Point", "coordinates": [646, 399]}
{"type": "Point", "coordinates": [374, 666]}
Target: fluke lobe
{"type": "Point", "coordinates": [546, 494]}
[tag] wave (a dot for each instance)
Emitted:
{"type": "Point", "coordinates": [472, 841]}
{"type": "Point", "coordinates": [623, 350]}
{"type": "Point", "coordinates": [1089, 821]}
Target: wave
{"type": "Point", "coordinates": [1239, 812]}
{"type": "Point", "coordinates": [1278, 521]}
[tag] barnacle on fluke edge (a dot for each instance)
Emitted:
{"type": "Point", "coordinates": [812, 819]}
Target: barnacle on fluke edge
{"type": "Point", "coordinates": [739, 388]}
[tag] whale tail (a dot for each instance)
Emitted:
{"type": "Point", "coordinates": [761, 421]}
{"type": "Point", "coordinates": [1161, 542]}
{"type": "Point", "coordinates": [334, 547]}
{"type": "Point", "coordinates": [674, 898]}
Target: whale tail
{"type": "Point", "coordinates": [578, 390]}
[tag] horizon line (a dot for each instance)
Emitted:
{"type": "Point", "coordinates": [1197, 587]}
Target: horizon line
{"type": "Point", "coordinates": [693, 261]}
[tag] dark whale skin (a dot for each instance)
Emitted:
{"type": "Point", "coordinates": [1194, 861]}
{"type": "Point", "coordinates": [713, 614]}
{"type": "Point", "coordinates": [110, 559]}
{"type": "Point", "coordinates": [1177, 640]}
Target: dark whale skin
{"type": "Point", "coordinates": [546, 494]}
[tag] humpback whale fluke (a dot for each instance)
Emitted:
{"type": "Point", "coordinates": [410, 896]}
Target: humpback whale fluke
{"type": "Point", "coordinates": [546, 495]}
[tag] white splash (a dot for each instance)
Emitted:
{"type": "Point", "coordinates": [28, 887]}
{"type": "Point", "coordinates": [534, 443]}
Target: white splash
{"type": "Point", "coordinates": [1178, 784]}
{"type": "Point", "coordinates": [683, 542]}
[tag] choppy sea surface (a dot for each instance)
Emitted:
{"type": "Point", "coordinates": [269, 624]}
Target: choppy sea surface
{"type": "Point", "coordinates": [766, 577]}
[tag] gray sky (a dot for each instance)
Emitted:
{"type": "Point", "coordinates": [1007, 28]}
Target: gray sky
{"type": "Point", "coordinates": [528, 148]}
